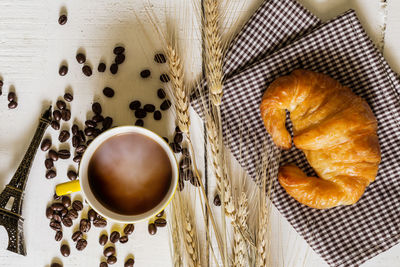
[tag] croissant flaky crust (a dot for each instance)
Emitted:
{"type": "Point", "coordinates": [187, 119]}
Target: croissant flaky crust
{"type": "Point", "coordinates": [336, 131]}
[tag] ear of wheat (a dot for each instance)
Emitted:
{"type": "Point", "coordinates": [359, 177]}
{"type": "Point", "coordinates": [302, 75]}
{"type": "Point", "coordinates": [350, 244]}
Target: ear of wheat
{"type": "Point", "coordinates": [239, 243]}
{"type": "Point", "coordinates": [175, 235]}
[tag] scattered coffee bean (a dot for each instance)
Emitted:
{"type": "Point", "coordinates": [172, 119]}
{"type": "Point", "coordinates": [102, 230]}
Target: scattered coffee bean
{"type": "Point", "coordinates": [89, 131]}
{"type": "Point", "coordinates": [63, 136]}
{"type": "Point", "coordinates": [84, 225]}
{"type": "Point", "coordinates": [12, 105]}
{"type": "Point", "coordinates": [48, 163]}
{"type": "Point", "coordinates": [181, 184]}
{"type": "Point", "coordinates": [87, 70]}
{"type": "Point", "coordinates": [103, 239]}
{"type": "Point", "coordinates": [108, 92]}
{"type": "Point", "coordinates": [80, 149]}
{"type": "Point", "coordinates": [57, 115]}
{"type": "Point", "coordinates": [57, 206]}
{"type": "Point", "coordinates": [160, 222]}
{"type": "Point", "coordinates": [66, 114]}
{"type": "Point", "coordinates": [74, 129]}
{"type": "Point", "coordinates": [192, 178]}
{"type": "Point", "coordinates": [67, 222]}
{"type": "Point", "coordinates": [56, 226]}
{"type": "Point", "coordinates": [49, 213]}
{"type": "Point", "coordinates": [129, 228]}
{"type": "Point", "coordinates": [114, 237]}
{"type": "Point", "coordinates": [64, 212]}
{"type": "Point", "coordinates": [61, 104]}
{"type": "Point", "coordinates": [149, 108]}
{"type": "Point", "coordinates": [107, 123]}
{"type": "Point", "coordinates": [75, 141]}
{"type": "Point", "coordinates": [175, 147]}
{"type": "Point", "coordinates": [129, 262]}
{"type": "Point", "coordinates": [96, 107]}
{"type": "Point", "coordinates": [58, 236]}
{"type": "Point", "coordinates": [185, 152]}
{"type": "Point", "coordinates": [145, 73]}
{"type": "Point", "coordinates": [161, 93]}
{"type": "Point", "coordinates": [140, 113]}
{"type": "Point", "coordinates": [184, 163]}
{"type": "Point", "coordinates": [164, 78]}
{"type": "Point", "coordinates": [160, 58]}
{"type": "Point", "coordinates": [56, 217]}
{"type": "Point", "coordinates": [118, 50]}
{"type": "Point", "coordinates": [159, 215]}
{"type": "Point", "coordinates": [11, 96]}
{"type": "Point", "coordinates": [103, 264]}
{"type": "Point", "coordinates": [68, 97]}
{"type": "Point", "coordinates": [123, 239]}
{"type": "Point", "coordinates": [65, 251]}
{"type": "Point", "coordinates": [77, 236]}
{"type": "Point", "coordinates": [62, 19]}
{"type": "Point", "coordinates": [100, 223]}
{"type": "Point", "coordinates": [152, 229]}
{"type": "Point", "coordinates": [178, 138]}
{"type": "Point", "coordinates": [64, 154]}
{"type": "Point", "coordinates": [81, 244]}
{"type": "Point", "coordinates": [50, 174]}
{"type": "Point", "coordinates": [166, 104]}
{"type": "Point", "coordinates": [114, 68]}
{"type": "Point", "coordinates": [77, 205]}
{"type": "Point", "coordinates": [134, 105]}
{"type": "Point", "coordinates": [157, 115]}
{"type": "Point", "coordinates": [66, 201]}
{"type": "Point", "coordinates": [139, 122]}
{"type": "Point", "coordinates": [81, 58]}
{"type": "Point", "coordinates": [77, 158]}
{"type": "Point", "coordinates": [55, 264]}
{"type": "Point", "coordinates": [109, 251]}
{"type": "Point", "coordinates": [63, 70]}
{"type": "Point", "coordinates": [217, 200]}
{"type": "Point", "coordinates": [56, 197]}
{"type": "Point", "coordinates": [119, 59]}
{"type": "Point", "coordinates": [91, 123]}
{"type": "Point", "coordinates": [92, 214]}
{"type": "Point", "coordinates": [89, 141]}
{"type": "Point", "coordinates": [98, 118]}
{"type": "Point", "coordinates": [81, 135]}
{"type": "Point", "coordinates": [102, 67]}
{"type": "Point", "coordinates": [55, 125]}
{"type": "Point", "coordinates": [111, 260]}
{"type": "Point", "coordinates": [72, 214]}
{"type": "Point", "coordinates": [165, 138]}
{"type": "Point", "coordinates": [46, 144]}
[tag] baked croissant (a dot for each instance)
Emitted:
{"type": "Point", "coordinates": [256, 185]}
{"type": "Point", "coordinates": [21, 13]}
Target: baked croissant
{"type": "Point", "coordinates": [336, 131]}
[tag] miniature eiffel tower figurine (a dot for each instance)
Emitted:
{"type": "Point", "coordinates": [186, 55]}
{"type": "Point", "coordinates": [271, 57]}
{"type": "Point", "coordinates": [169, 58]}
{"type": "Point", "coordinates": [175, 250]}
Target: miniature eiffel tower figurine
{"type": "Point", "coordinates": [12, 194]}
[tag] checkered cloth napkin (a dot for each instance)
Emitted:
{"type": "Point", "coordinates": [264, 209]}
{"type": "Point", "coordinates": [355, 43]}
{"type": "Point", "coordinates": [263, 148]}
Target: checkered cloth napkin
{"type": "Point", "coordinates": [347, 235]}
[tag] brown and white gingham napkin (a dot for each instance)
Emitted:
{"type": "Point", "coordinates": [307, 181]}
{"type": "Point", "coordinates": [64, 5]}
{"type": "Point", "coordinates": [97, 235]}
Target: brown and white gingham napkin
{"type": "Point", "coordinates": [343, 236]}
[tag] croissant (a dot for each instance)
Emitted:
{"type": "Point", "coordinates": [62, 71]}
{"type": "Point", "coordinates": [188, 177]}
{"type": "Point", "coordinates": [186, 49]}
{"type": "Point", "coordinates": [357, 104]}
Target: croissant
{"type": "Point", "coordinates": [334, 128]}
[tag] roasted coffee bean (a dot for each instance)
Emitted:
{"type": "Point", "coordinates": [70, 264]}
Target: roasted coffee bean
{"type": "Point", "coordinates": [56, 197]}
{"type": "Point", "coordinates": [66, 201]}
{"type": "Point", "coordinates": [74, 129]}
{"type": "Point", "coordinates": [103, 264]}
{"type": "Point", "coordinates": [77, 158]}
{"type": "Point", "coordinates": [177, 130]}
{"type": "Point", "coordinates": [98, 118]}
{"type": "Point", "coordinates": [46, 144]}
{"type": "Point", "coordinates": [62, 19]}
{"type": "Point", "coordinates": [102, 67]}
{"type": "Point", "coordinates": [118, 50]}
{"type": "Point", "coordinates": [64, 212]}
{"type": "Point", "coordinates": [96, 108]}
{"type": "Point", "coordinates": [55, 125]}
{"type": "Point", "coordinates": [114, 68]}
{"type": "Point", "coordinates": [50, 174]}
{"type": "Point", "coordinates": [161, 93]}
{"type": "Point", "coordinates": [111, 260]}
{"type": "Point", "coordinates": [134, 105]}
{"type": "Point", "coordinates": [84, 225]}
{"type": "Point", "coordinates": [80, 149]}
{"type": "Point", "coordinates": [108, 92]}
{"type": "Point", "coordinates": [139, 122]}
{"type": "Point", "coordinates": [159, 215]}
{"type": "Point", "coordinates": [77, 205]}
{"type": "Point", "coordinates": [63, 70]}
{"type": "Point", "coordinates": [164, 78]}
{"type": "Point", "coordinates": [49, 213]}
{"type": "Point", "coordinates": [67, 222]}
{"type": "Point", "coordinates": [160, 58]}
{"type": "Point", "coordinates": [12, 105]}
{"type": "Point", "coordinates": [160, 222]}
{"type": "Point", "coordinates": [182, 174]}
{"type": "Point", "coordinates": [89, 131]}
{"type": "Point", "coordinates": [81, 244]}
{"type": "Point", "coordinates": [64, 154]}
{"type": "Point", "coordinates": [81, 58]}
{"type": "Point", "coordinates": [89, 141]}
{"type": "Point", "coordinates": [57, 218]}
{"type": "Point", "coordinates": [11, 96]}
{"type": "Point", "coordinates": [57, 115]}
{"type": "Point", "coordinates": [152, 229]}
{"type": "Point", "coordinates": [120, 58]}
{"type": "Point", "coordinates": [145, 73]}
{"type": "Point", "coordinates": [175, 147]}
{"type": "Point", "coordinates": [68, 97]}
{"type": "Point", "coordinates": [129, 262]}
{"type": "Point", "coordinates": [81, 135]}
{"type": "Point", "coordinates": [72, 214]}
{"type": "Point", "coordinates": [72, 175]}
{"type": "Point", "coordinates": [123, 239]}
{"type": "Point", "coordinates": [193, 180]}
{"type": "Point", "coordinates": [178, 138]}
{"type": "Point", "coordinates": [87, 70]}
{"type": "Point", "coordinates": [90, 123]}
{"type": "Point", "coordinates": [58, 236]}
{"type": "Point", "coordinates": [65, 251]}
{"type": "Point", "coordinates": [61, 104]}
{"type": "Point", "coordinates": [129, 228]}
{"type": "Point", "coordinates": [184, 163]}
{"type": "Point", "coordinates": [114, 237]}
{"type": "Point", "coordinates": [149, 108]}
{"type": "Point", "coordinates": [181, 184]}
{"type": "Point", "coordinates": [217, 200]}
{"type": "Point", "coordinates": [107, 123]}
{"type": "Point", "coordinates": [66, 114]}
{"type": "Point", "coordinates": [166, 139]}
{"type": "Point", "coordinates": [77, 236]}
{"type": "Point", "coordinates": [75, 141]}
{"type": "Point", "coordinates": [56, 226]}
{"type": "Point", "coordinates": [48, 163]}
{"type": "Point", "coordinates": [140, 113]}
{"type": "Point", "coordinates": [55, 264]}
{"type": "Point", "coordinates": [63, 136]}
{"type": "Point", "coordinates": [166, 104]}
{"type": "Point", "coordinates": [92, 214]}
{"type": "Point", "coordinates": [103, 239]}
{"type": "Point", "coordinates": [109, 251]}
{"type": "Point", "coordinates": [185, 152]}
{"type": "Point", "coordinates": [157, 115]}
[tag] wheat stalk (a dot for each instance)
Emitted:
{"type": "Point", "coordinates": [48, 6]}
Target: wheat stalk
{"type": "Point", "coordinates": [239, 243]}
{"type": "Point", "coordinates": [175, 236]}
{"type": "Point", "coordinates": [190, 236]}
{"type": "Point", "coordinates": [214, 50]}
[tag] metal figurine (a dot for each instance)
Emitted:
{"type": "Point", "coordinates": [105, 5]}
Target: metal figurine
{"type": "Point", "coordinates": [12, 195]}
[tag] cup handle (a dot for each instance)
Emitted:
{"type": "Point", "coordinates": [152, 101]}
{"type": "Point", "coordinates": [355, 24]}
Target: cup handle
{"type": "Point", "coordinates": [68, 188]}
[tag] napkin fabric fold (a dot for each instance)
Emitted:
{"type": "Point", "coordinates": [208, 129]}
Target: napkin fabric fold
{"type": "Point", "coordinates": [346, 235]}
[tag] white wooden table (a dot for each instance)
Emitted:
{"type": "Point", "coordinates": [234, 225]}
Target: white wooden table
{"type": "Point", "coordinates": [32, 46]}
